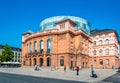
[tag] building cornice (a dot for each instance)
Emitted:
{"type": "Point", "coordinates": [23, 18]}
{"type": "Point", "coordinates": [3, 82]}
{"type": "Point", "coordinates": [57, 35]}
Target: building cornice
{"type": "Point", "coordinates": [55, 32]}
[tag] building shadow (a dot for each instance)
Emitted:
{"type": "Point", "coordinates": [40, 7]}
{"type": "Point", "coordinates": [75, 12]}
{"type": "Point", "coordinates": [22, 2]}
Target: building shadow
{"type": "Point", "coordinates": [118, 70]}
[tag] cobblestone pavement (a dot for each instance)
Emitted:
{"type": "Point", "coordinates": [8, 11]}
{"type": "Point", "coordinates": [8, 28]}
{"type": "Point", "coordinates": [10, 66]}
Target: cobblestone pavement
{"type": "Point", "coordinates": [84, 74]}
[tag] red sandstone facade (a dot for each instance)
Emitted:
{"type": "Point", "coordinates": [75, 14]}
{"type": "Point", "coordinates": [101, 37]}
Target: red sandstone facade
{"type": "Point", "coordinates": [69, 47]}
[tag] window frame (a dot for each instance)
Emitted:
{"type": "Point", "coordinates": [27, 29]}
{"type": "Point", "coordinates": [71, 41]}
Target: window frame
{"type": "Point", "coordinates": [62, 62]}
{"type": "Point", "coordinates": [107, 51]}
{"type": "Point", "coordinates": [35, 46]}
{"type": "Point", "coordinates": [100, 42]}
{"type": "Point", "coordinates": [101, 62]}
{"type": "Point", "coordinates": [41, 46]}
{"type": "Point", "coordinates": [106, 41]}
{"type": "Point", "coordinates": [30, 47]}
{"type": "Point", "coordinates": [101, 52]}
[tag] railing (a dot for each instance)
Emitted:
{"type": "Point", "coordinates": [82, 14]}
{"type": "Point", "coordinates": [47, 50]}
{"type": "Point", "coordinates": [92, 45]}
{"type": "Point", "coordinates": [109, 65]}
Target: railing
{"type": "Point", "coordinates": [48, 51]}
{"type": "Point", "coordinates": [32, 53]}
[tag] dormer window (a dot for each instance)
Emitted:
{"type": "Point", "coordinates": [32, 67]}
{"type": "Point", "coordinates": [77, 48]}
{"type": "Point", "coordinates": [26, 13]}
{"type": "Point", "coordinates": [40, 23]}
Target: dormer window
{"type": "Point", "coordinates": [62, 26]}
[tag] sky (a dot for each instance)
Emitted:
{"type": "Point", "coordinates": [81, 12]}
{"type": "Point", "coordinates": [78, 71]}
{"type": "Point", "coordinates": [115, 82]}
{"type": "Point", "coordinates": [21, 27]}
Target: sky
{"type": "Point", "coordinates": [19, 16]}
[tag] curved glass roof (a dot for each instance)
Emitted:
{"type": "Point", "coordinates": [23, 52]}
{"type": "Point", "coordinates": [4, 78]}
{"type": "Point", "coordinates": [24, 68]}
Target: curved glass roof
{"type": "Point", "coordinates": [50, 23]}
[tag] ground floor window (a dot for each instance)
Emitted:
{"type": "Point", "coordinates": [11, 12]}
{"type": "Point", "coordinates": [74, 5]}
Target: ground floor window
{"type": "Point", "coordinates": [107, 61]}
{"type": "Point", "coordinates": [62, 61]}
{"type": "Point", "coordinates": [94, 62]}
{"type": "Point", "coordinates": [101, 62]}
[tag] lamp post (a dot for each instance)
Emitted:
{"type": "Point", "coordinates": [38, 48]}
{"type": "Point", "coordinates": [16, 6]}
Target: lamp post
{"type": "Point", "coordinates": [50, 50]}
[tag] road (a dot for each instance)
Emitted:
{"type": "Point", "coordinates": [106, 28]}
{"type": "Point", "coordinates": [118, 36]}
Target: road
{"type": "Point", "coordinates": [15, 78]}
{"type": "Point", "coordinates": [113, 79]}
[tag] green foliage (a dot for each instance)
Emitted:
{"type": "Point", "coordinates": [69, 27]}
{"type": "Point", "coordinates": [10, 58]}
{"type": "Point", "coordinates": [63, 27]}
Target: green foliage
{"type": "Point", "coordinates": [7, 54]}
{"type": "Point", "coordinates": [0, 58]}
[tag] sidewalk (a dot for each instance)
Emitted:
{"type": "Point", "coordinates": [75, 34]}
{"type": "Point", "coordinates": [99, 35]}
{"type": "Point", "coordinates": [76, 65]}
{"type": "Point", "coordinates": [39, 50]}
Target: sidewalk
{"type": "Point", "coordinates": [84, 75]}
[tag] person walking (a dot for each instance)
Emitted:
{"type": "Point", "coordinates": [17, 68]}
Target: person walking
{"type": "Point", "coordinates": [35, 67]}
{"type": "Point", "coordinates": [77, 70]}
{"type": "Point", "coordinates": [65, 68]}
{"type": "Point", "coordinates": [92, 70]}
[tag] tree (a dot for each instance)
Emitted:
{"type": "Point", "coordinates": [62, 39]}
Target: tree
{"type": "Point", "coordinates": [7, 54]}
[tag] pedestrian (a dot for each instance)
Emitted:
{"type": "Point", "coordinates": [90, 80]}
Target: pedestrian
{"type": "Point", "coordinates": [38, 67]}
{"type": "Point", "coordinates": [65, 68]}
{"type": "Point", "coordinates": [92, 70]}
{"type": "Point", "coordinates": [77, 70]}
{"type": "Point", "coordinates": [35, 67]}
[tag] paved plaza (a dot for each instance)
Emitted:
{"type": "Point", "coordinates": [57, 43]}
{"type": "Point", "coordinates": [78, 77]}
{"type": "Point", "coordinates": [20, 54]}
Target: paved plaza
{"type": "Point", "coordinates": [84, 74]}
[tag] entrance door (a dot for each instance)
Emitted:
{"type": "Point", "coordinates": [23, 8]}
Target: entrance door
{"type": "Point", "coordinates": [30, 62]}
{"type": "Point", "coordinates": [41, 62]}
{"type": "Point", "coordinates": [71, 65]}
{"type": "Point", "coordinates": [83, 65]}
{"type": "Point", "coordinates": [48, 62]}
{"type": "Point", "coordinates": [35, 61]}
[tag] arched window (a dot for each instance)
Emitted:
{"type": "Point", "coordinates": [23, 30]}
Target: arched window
{"type": "Point", "coordinates": [83, 25]}
{"type": "Point", "coordinates": [27, 49]}
{"type": "Point", "coordinates": [94, 52]}
{"type": "Point", "coordinates": [94, 43]}
{"type": "Point", "coordinates": [107, 51]}
{"type": "Point", "coordinates": [41, 46]}
{"type": "Point", "coordinates": [107, 41]}
{"type": "Point", "coordinates": [100, 42]}
{"type": "Point", "coordinates": [100, 51]}
{"type": "Point", "coordinates": [30, 47]}
{"type": "Point", "coordinates": [35, 46]}
{"type": "Point", "coordinates": [48, 45]}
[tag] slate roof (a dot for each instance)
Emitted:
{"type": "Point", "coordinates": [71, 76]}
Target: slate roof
{"type": "Point", "coordinates": [96, 31]}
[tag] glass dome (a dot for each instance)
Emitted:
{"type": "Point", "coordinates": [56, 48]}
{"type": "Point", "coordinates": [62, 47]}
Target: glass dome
{"type": "Point", "coordinates": [50, 23]}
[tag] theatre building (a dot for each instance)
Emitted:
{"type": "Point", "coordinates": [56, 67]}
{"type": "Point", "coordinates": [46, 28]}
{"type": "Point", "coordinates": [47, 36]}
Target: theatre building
{"type": "Point", "coordinates": [66, 40]}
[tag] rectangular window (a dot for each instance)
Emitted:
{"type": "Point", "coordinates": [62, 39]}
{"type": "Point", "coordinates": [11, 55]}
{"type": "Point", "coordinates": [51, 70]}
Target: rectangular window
{"type": "Point", "coordinates": [95, 62]}
{"type": "Point", "coordinates": [107, 62]}
{"type": "Point", "coordinates": [94, 52]}
{"type": "Point", "coordinates": [62, 26]}
{"type": "Point", "coordinates": [30, 47]}
{"type": "Point", "coordinates": [84, 26]}
{"type": "Point", "coordinates": [35, 46]}
{"type": "Point", "coordinates": [101, 62]}
{"type": "Point", "coordinates": [61, 61]}
{"type": "Point", "coordinates": [42, 45]}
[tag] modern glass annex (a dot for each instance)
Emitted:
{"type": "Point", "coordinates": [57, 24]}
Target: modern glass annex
{"type": "Point", "coordinates": [50, 23]}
